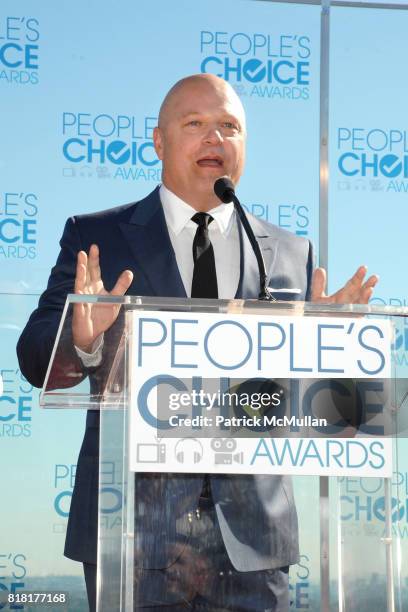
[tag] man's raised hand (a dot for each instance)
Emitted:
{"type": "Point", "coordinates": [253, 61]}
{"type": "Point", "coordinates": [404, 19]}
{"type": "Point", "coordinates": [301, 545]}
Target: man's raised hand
{"type": "Point", "coordinates": [355, 291]}
{"type": "Point", "coordinates": [91, 320]}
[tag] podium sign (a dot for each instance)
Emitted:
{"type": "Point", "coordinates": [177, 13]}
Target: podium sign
{"type": "Point", "coordinates": [192, 375]}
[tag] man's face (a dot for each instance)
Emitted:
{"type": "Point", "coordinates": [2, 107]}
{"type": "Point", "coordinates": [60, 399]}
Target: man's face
{"type": "Point", "coordinates": [201, 138]}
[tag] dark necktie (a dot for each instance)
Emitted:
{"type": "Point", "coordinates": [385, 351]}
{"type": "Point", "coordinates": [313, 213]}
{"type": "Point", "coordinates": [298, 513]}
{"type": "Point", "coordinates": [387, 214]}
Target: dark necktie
{"type": "Point", "coordinates": [204, 283]}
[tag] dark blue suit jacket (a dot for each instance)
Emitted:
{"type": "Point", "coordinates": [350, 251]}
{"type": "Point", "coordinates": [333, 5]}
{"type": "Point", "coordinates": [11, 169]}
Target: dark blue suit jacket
{"type": "Point", "coordinates": [135, 237]}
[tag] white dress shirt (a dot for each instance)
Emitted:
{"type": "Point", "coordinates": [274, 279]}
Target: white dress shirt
{"type": "Point", "coordinates": [223, 233]}
{"type": "Point", "coordinates": [224, 236]}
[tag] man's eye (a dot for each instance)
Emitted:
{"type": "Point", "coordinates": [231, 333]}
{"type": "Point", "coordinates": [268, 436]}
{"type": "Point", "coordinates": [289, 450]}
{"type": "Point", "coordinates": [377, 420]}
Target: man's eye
{"type": "Point", "coordinates": [230, 125]}
{"type": "Point", "coordinates": [194, 123]}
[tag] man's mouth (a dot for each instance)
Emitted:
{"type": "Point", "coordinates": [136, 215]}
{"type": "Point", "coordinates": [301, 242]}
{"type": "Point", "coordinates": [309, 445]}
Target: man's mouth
{"type": "Point", "coordinates": [210, 161]}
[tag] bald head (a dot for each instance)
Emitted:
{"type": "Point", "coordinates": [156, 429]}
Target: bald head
{"type": "Point", "coordinates": [200, 137]}
{"type": "Point", "coordinates": [208, 82]}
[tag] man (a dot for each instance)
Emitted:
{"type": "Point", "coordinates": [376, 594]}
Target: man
{"type": "Point", "coordinates": [216, 558]}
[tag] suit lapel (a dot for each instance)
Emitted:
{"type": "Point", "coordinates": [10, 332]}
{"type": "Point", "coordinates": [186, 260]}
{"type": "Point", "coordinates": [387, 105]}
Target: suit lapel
{"type": "Point", "coordinates": [248, 286]}
{"type": "Point", "coordinates": [148, 238]}
{"type": "Point", "coordinates": [149, 241]}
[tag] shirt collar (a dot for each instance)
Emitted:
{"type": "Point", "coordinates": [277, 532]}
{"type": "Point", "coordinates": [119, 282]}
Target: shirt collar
{"type": "Point", "coordinates": [178, 213]}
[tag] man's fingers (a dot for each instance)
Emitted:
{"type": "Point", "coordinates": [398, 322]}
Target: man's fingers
{"type": "Point", "coordinates": [356, 281]}
{"type": "Point", "coordinates": [365, 295]}
{"type": "Point", "coordinates": [94, 269]}
{"type": "Point", "coordinates": [318, 284]}
{"type": "Point", "coordinates": [371, 282]}
{"type": "Point", "coordinates": [123, 283]}
{"type": "Point", "coordinates": [88, 271]}
{"type": "Point", "coordinates": [356, 291]}
{"type": "Point", "coordinates": [368, 289]}
{"type": "Point", "coordinates": [80, 276]}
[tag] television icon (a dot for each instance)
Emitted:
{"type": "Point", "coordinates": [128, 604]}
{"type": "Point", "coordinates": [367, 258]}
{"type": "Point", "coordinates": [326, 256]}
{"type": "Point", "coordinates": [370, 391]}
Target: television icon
{"type": "Point", "coordinates": [151, 453]}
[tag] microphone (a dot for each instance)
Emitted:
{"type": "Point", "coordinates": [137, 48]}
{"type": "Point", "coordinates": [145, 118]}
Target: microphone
{"type": "Point", "coordinates": [224, 189]}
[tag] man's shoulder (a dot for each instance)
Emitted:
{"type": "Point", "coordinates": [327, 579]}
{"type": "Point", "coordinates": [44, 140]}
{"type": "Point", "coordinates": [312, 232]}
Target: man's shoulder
{"type": "Point", "coordinates": [265, 229]}
{"type": "Point", "coordinates": [117, 214]}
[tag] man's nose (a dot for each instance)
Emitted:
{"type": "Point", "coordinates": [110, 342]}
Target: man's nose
{"type": "Point", "coordinates": [213, 135]}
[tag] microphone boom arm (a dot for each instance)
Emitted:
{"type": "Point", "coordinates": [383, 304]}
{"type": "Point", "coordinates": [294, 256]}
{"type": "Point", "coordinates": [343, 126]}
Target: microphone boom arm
{"type": "Point", "coordinates": [264, 293]}
{"type": "Point", "coordinates": [224, 189]}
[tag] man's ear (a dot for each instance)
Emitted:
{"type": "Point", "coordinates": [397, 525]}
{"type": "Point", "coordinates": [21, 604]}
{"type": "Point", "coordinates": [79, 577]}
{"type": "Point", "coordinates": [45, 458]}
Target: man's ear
{"type": "Point", "coordinates": [158, 142]}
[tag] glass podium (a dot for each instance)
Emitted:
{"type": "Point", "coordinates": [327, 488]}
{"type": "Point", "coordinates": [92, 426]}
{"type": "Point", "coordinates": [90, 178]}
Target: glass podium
{"type": "Point", "coordinates": [242, 442]}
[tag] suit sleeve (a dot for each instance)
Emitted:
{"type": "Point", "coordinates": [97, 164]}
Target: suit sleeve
{"type": "Point", "coordinates": [36, 342]}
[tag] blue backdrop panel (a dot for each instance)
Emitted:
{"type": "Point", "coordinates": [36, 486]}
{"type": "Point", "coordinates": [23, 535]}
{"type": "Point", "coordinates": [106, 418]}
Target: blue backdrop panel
{"type": "Point", "coordinates": [368, 214]}
{"type": "Point", "coordinates": [368, 147]}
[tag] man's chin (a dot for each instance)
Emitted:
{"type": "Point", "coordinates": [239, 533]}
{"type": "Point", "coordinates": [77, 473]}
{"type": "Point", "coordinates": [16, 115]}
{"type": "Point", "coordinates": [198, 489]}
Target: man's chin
{"type": "Point", "coordinates": [202, 195]}
{"type": "Point", "coordinates": [207, 182]}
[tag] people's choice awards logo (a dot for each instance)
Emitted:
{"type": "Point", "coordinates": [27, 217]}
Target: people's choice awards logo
{"type": "Point", "coordinates": [19, 50]}
{"type": "Point", "coordinates": [374, 159]}
{"type": "Point", "coordinates": [110, 494]}
{"type": "Point", "coordinates": [109, 146]}
{"type": "Point", "coordinates": [16, 403]}
{"type": "Point", "coordinates": [364, 506]}
{"type": "Point", "coordinates": [259, 64]}
{"type": "Point", "coordinates": [18, 225]}
{"type": "Point", "coordinates": [13, 572]}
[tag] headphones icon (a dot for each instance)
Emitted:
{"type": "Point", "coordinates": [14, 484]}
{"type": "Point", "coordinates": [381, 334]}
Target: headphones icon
{"type": "Point", "coordinates": [189, 450]}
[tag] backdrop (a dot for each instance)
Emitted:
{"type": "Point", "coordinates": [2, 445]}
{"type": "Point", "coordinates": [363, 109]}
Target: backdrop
{"type": "Point", "coordinates": [80, 88]}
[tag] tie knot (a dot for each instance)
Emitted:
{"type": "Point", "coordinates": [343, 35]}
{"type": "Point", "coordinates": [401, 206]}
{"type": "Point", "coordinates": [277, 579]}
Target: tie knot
{"type": "Point", "coordinates": [202, 219]}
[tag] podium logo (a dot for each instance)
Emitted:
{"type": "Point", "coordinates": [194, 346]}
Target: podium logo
{"type": "Point", "coordinates": [15, 405]}
{"type": "Point", "coordinates": [18, 225]}
{"type": "Point", "coordinates": [273, 66]}
{"type": "Point", "coordinates": [374, 159]}
{"type": "Point", "coordinates": [19, 50]}
{"type": "Point", "coordinates": [109, 146]}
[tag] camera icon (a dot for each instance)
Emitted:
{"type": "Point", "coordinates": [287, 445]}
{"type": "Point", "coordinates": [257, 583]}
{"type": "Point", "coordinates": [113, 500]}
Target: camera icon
{"type": "Point", "coordinates": [224, 451]}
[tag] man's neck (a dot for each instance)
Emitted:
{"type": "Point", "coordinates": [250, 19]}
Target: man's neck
{"type": "Point", "coordinates": [200, 202]}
